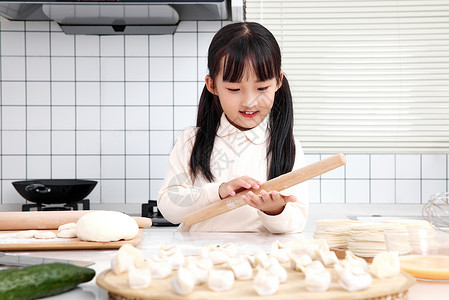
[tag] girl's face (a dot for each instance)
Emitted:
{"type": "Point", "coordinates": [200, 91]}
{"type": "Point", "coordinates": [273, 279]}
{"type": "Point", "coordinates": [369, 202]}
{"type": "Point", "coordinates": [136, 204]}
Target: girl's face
{"type": "Point", "coordinates": [245, 103]}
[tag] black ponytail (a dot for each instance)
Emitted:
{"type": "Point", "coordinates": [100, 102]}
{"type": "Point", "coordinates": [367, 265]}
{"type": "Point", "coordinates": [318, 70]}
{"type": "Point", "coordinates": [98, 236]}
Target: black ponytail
{"type": "Point", "coordinates": [281, 147]}
{"type": "Point", "coordinates": [207, 122]}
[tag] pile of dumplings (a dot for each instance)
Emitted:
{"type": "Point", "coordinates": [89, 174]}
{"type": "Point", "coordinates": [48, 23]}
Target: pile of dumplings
{"type": "Point", "coordinates": [219, 266]}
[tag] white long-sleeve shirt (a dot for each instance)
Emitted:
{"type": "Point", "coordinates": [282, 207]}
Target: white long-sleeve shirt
{"type": "Point", "coordinates": [236, 153]}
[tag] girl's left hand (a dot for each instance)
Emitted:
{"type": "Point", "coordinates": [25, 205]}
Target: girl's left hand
{"type": "Point", "coordinates": [270, 203]}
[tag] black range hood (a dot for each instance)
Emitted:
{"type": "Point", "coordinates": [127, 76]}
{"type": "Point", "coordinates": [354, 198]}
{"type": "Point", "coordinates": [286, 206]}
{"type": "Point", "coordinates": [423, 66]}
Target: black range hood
{"type": "Point", "coordinates": [116, 16]}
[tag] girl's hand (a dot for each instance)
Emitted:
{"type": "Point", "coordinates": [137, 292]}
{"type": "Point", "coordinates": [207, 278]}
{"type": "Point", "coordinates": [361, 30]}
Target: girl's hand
{"type": "Point", "coordinates": [270, 203]}
{"type": "Point", "coordinates": [236, 185]}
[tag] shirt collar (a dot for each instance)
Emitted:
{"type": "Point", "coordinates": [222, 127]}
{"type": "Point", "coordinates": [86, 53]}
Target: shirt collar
{"type": "Point", "coordinates": [256, 135]}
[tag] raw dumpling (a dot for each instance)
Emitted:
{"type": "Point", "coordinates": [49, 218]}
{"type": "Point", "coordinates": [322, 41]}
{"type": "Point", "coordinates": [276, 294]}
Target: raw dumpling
{"type": "Point", "coordinates": [26, 234]}
{"type": "Point", "coordinates": [204, 263]}
{"type": "Point", "coordinates": [252, 260]}
{"type": "Point", "coordinates": [67, 226]}
{"type": "Point", "coordinates": [173, 254]}
{"type": "Point", "coordinates": [159, 269]}
{"type": "Point", "coordinates": [265, 283]}
{"type": "Point", "coordinates": [121, 262]}
{"type": "Point", "coordinates": [260, 259]}
{"type": "Point", "coordinates": [230, 250]}
{"type": "Point", "coordinates": [299, 262]}
{"type": "Point", "coordinates": [184, 282]}
{"type": "Point", "coordinates": [353, 260]}
{"type": "Point", "coordinates": [315, 266]}
{"type": "Point", "coordinates": [201, 274]}
{"type": "Point", "coordinates": [135, 254]}
{"type": "Point", "coordinates": [280, 252]}
{"type": "Point", "coordinates": [139, 278]}
{"type": "Point", "coordinates": [220, 280]}
{"type": "Point", "coordinates": [385, 265]}
{"type": "Point", "coordinates": [276, 269]}
{"type": "Point", "coordinates": [215, 253]}
{"type": "Point", "coordinates": [308, 247]}
{"type": "Point", "coordinates": [328, 258]}
{"type": "Point", "coordinates": [318, 281]}
{"type": "Point", "coordinates": [44, 234]}
{"type": "Point", "coordinates": [241, 267]}
{"type": "Point", "coordinates": [353, 277]}
{"type": "Point", "coordinates": [67, 233]}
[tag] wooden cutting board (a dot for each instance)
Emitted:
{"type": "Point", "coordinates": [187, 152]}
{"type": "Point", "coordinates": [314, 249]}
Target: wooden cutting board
{"type": "Point", "coordinates": [293, 288]}
{"type": "Point", "coordinates": [8, 242]}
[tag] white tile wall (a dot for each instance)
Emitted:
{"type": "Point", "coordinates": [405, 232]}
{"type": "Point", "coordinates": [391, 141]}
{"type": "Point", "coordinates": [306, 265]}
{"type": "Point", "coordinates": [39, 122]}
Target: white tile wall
{"type": "Point", "coordinates": [38, 166]}
{"type": "Point", "coordinates": [38, 93]}
{"type": "Point", "coordinates": [357, 191]}
{"type": "Point", "coordinates": [382, 191]}
{"type": "Point", "coordinates": [109, 108]}
{"type": "Point", "coordinates": [13, 93]}
{"type": "Point", "coordinates": [434, 166]}
{"type": "Point", "coordinates": [63, 93]}
{"type": "Point", "coordinates": [382, 166]}
{"type": "Point", "coordinates": [408, 166]}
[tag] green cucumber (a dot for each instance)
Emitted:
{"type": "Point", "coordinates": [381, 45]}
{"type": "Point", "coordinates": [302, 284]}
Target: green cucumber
{"type": "Point", "coordinates": [43, 280]}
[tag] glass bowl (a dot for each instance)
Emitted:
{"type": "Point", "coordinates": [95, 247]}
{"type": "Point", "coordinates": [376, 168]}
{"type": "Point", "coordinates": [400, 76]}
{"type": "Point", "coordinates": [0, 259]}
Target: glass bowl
{"type": "Point", "coordinates": [423, 253]}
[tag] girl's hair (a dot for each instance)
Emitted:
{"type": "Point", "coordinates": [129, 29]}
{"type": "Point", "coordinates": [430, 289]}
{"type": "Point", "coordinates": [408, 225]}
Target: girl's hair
{"type": "Point", "coordinates": [235, 47]}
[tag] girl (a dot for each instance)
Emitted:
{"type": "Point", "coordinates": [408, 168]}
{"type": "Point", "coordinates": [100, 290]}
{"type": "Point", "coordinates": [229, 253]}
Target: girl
{"type": "Point", "coordinates": [244, 136]}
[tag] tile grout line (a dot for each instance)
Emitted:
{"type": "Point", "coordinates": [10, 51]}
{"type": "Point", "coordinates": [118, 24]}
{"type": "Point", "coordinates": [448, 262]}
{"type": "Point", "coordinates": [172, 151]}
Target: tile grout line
{"type": "Point", "coordinates": [51, 105]}
{"type": "Point", "coordinates": [26, 104]}
{"type": "Point", "coordinates": [1, 124]}
{"type": "Point", "coordinates": [125, 184]}
{"type": "Point", "coordinates": [76, 106]}
{"type": "Point", "coordinates": [101, 114]}
{"type": "Point", "coordinates": [149, 116]}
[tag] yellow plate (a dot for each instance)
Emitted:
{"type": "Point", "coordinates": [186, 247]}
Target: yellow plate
{"type": "Point", "coordinates": [434, 267]}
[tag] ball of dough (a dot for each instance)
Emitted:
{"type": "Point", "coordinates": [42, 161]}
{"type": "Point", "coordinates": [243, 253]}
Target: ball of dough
{"type": "Point", "coordinates": [42, 234]}
{"type": "Point", "coordinates": [106, 226]}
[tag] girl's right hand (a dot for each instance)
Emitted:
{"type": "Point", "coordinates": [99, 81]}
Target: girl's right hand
{"type": "Point", "coordinates": [236, 185]}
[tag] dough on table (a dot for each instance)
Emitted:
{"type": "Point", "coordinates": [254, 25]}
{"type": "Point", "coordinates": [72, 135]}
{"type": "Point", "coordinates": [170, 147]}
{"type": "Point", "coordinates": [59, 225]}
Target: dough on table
{"type": "Point", "coordinates": [26, 234]}
{"type": "Point", "coordinates": [43, 234]}
{"type": "Point", "coordinates": [106, 226]}
{"type": "Point", "coordinates": [67, 226]}
{"type": "Point", "coordinates": [67, 233]}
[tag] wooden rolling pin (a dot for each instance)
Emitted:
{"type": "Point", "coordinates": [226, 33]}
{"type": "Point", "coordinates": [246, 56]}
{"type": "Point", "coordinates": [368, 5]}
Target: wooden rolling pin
{"type": "Point", "coordinates": [48, 219]}
{"type": "Point", "coordinates": [276, 184]}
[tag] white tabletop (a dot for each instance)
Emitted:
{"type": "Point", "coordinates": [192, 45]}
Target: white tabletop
{"type": "Point", "coordinates": [190, 244]}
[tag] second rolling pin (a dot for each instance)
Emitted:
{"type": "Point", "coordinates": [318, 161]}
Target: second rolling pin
{"type": "Point", "coordinates": [48, 219]}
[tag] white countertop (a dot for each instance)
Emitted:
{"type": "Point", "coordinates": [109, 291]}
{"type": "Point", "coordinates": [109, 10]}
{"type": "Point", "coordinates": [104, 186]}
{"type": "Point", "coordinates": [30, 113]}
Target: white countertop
{"type": "Point", "coordinates": [190, 244]}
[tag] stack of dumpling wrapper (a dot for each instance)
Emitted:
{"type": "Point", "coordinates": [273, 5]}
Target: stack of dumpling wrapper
{"type": "Point", "coordinates": [334, 231]}
{"type": "Point", "coordinates": [411, 224]}
{"type": "Point", "coordinates": [364, 239]}
{"type": "Point", "coordinates": [367, 239]}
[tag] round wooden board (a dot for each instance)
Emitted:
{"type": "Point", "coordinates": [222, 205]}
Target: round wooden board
{"type": "Point", "coordinates": [293, 288]}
